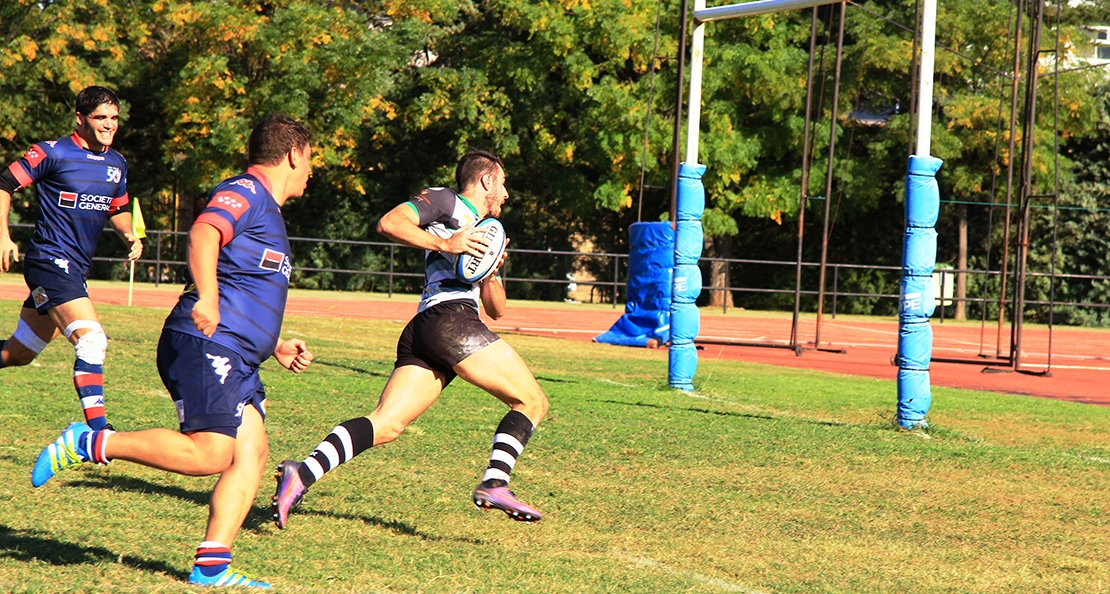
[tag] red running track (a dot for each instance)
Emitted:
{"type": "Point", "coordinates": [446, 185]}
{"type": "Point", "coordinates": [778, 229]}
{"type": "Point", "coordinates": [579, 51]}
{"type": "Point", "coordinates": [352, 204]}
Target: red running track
{"type": "Point", "coordinates": [1080, 364]}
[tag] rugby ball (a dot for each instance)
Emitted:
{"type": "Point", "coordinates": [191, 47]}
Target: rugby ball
{"type": "Point", "coordinates": [472, 269]}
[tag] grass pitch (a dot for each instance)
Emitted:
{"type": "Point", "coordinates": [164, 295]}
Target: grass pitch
{"type": "Point", "coordinates": [764, 480]}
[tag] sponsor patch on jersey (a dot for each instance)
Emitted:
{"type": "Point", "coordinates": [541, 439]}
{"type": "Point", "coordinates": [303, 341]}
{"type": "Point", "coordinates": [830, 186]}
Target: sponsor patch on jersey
{"type": "Point", "coordinates": [93, 157]}
{"type": "Point", "coordinates": [231, 203]}
{"type": "Point", "coordinates": [272, 260]}
{"type": "Point", "coordinates": [115, 174]}
{"type": "Point", "coordinates": [39, 295]}
{"type": "Point", "coordinates": [34, 156]}
{"type": "Point", "coordinates": [246, 183]}
{"type": "Point", "coordinates": [67, 199]}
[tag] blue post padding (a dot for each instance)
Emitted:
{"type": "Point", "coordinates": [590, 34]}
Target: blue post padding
{"type": "Point", "coordinates": [919, 257]}
{"type": "Point", "coordinates": [915, 346]}
{"type": "Point", "coordinates": [683, 363]}
{"type": "Point", "coordinates": [916, 302]}
{"type": "Point", "coordinates": [921, 184]}
{"type": "Point", "coordinates": [689, 236]}
{"type": "Point", "coordinates": [685, 323]}
{"type": "Point", "coordinates": [647, 313]}
{"type": "Point", "coordinates": [919, 251]}
{"type": "Point", "coordinates": [688, 242]}
{"type": "Point", "coordinates": [687, 283]}
{"type": "Point", "coordinates": [914, 397]}
{"type": "Point", "coordinates": [691, 192]}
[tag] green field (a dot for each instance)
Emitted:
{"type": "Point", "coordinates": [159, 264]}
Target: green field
{"type": "Point", "coordinates": [764, 480]}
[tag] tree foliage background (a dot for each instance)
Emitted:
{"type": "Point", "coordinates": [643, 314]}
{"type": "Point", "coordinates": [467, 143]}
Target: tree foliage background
{"type": "Point", "coordinates": [395, 91]}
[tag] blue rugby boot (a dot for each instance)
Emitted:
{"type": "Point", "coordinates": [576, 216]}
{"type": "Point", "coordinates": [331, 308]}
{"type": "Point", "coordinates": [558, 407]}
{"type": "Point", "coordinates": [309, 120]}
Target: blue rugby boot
{"type": "Point", "coordinates": [66, 451]}
{"type": "Point", "coordinates": [225, 579]}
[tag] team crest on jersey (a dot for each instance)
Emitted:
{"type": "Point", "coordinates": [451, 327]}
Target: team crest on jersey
{"type": "Point", "coordinates": [277, 261]}
{"type": "Point", "coordinates": [62, 263]}
{"type": "Point", "coordinates": [67, 199]}
{"type": "Point", "coordinates": [39, 295]}
{"type": "Point", "coordinates": [231, 203]}
{"type": "Point", "coordinates": [34, 156]}
{"type": "Point", "coordinates": [115, 174]}
{"type": "Point", "coordinates": [52, 143]}
{"type": "Point", "coordinates": [246, 183]}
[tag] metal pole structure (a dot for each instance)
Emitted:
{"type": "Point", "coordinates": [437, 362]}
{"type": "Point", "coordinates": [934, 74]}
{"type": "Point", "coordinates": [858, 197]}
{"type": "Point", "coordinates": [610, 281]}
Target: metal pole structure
{"type": "Point", "coordinates": [1014, 88]}
{"type": "Point", "coordinates": [720, 13]}
{"type": "Point", "coordinates": [805, 184]}
{"type": "Point", "coordinates": [693, 118]}
{"type": "Point", "coordinates": [925, 93]}
{"type": "Point", "coordinates": [829, 177]}
{"type": "Point", "coordinates": [1029, 125]}
{"type": "Point", "coordinates": [678, 111]}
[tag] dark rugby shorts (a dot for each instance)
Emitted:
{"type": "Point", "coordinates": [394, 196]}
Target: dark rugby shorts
{"type": "Point", "coordinates": [51, 285]}
{"type": "Point", "coordinates": [440, 337]}
{"type": "Point", "coordinates": [210, 384]}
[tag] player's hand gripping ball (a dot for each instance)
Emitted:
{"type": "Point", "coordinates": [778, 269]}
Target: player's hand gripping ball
{"type": "Point", "coordinates": [472, 269]}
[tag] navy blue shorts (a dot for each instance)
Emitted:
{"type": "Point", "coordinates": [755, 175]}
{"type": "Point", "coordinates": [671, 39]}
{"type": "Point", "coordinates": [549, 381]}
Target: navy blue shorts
{"type": "Point", "coordinates": [210, 384]}
{"type": "Point", "coordinates": [440, 337]}
{"type": "Point", "coordinates": [52, 284]}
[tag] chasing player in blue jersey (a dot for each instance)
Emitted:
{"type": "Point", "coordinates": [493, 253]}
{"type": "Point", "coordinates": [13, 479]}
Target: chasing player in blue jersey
{"type": "Point", "coordinates": [445, 339]}
{"type": "Point", "coordinates": [80, 182]}
{"type": "Point", "coordinates": [226, 323]}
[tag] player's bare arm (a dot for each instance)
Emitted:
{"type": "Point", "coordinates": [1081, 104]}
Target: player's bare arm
{"type": "Point", "coordinates": [9, 251]}
{"type": "Point", "coordinates": [402, 225]}
{"type": "Point", "coordinates": [293, 354]}
{"type": "Point", "coordinates": [121, 223]}
{"type": "Point", "coordinates": [492, 291]}
{"type": "Point", "coordinates": [204, 254]}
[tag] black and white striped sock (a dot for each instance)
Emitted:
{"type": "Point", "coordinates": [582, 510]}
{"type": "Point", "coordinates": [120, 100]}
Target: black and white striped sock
{"type": "Point", "coordinates": [512, 435]}
{"type": "Point", "coordinates": [347, 440]}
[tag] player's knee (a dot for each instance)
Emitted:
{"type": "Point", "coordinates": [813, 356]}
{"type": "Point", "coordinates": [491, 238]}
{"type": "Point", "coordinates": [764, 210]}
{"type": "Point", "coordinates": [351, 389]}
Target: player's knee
{"type": "Point", "coordinates": [386, 431]}
{"type": "Point", "coordinates": [92, 346]}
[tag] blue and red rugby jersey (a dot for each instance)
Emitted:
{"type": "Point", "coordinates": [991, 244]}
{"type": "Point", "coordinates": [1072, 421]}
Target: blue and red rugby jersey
{"type": "Point", "coordinates": [77, 190]}
{"type": "Point", "coordinates": [252, 272]}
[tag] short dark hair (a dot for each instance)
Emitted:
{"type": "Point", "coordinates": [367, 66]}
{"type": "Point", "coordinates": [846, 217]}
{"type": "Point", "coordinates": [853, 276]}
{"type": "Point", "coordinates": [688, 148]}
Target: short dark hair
{"type": "Point", "coordinates": [92, 97]}
{"type": "Point", "coordinates": [273, 137]}
{"type": "Point", "coordinates": [473, 165]}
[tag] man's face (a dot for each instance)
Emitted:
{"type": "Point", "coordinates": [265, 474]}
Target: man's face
{"type": "Point", "coordinates": [98, 128]}
{"type": "Point", "coordinates": [302, 158]}
{"type": "Point", "coordinates": [496, 194]}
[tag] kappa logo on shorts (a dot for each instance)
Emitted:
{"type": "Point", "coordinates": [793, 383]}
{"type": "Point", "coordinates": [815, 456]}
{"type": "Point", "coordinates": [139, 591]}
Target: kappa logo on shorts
{"type": "Point", "coordinates": [39, 295]}
{"type": "Point", "coordinates": [246, 183]}
{"type": "Point", "coordinates": [67, 199]}
{"type": "Point", "coordinates": [220, 366]}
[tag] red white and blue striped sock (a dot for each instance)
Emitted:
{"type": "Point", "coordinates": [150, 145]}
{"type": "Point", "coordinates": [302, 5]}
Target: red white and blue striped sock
{"type": "Point", "coordinates": [96, 445]}
{"type": "Point", "coordinates": [212, 558]}
{"type": "Point", "coordinates": [88, 379]}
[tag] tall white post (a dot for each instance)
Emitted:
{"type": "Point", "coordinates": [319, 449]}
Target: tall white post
{"type": "Point", "coordinates": [693, 118]}
{"type": "Point", "coordinates": [925, 88]}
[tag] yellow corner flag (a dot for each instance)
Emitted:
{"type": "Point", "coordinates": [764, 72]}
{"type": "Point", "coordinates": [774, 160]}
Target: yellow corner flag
{"type": "Point", "coordinates": [138, 225]}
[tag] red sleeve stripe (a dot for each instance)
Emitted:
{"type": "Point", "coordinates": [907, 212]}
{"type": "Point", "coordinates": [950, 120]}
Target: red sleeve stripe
{"type": "Point", "coordinates": [118, 203]}
{"type": "Point", "coordinates": [20, 175]}
{"type": "Point", "coordinates": [230, 202]}
{"type": "Point", "coordinates": [227, 232]}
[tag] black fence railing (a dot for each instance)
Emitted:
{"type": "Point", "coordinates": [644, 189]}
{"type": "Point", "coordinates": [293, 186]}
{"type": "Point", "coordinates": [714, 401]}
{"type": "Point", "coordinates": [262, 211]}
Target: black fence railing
{"type": "Point", "coordinates": [400, 269]}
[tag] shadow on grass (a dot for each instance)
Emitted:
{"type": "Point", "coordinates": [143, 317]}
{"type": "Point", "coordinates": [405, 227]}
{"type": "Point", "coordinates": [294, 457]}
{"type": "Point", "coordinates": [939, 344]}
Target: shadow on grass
{"type": "Point", "coordinates": [351, 368]}
{"type": "Point", "coordinates": [256, 517]}
{"type": "Point", "coordinates": [393, 526]}
{"type": "Point", "coordinates": [28, 545]}
{"type": "Point", "coordinates": [725, 413]}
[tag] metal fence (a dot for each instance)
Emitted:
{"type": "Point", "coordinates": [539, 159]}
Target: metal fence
{"type": "Point", "coordinates": [163, 261]}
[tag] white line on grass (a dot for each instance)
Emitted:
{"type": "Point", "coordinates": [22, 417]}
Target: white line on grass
{"type": "Point", "coordinates": [705, 579]}
{"type": "Point", "coordinates": [1102, 460]}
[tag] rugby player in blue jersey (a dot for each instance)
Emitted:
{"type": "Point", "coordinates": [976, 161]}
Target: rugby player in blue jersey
{"type": "Point", "coordinates": [80, 182]}
{"type": "Point", "coordinates": [226, 323]}
{"type": "Point", "coordinates": [445, 339]}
